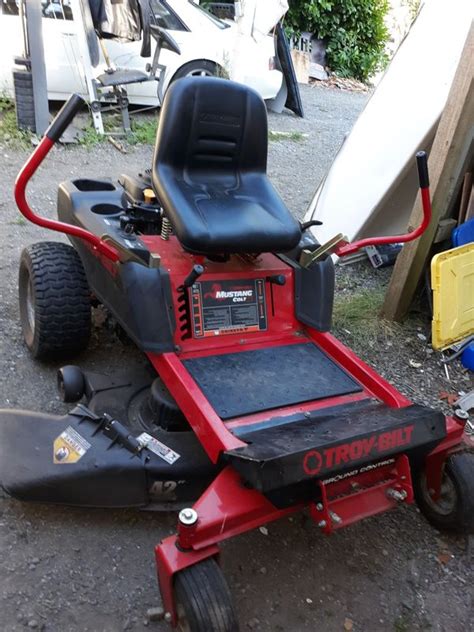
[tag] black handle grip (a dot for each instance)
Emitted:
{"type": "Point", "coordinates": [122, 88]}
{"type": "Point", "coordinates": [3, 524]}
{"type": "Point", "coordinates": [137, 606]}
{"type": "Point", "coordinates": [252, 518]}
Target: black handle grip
{"type": "Point", "coordinates": [193, 275]}
{"type": "Point", "coordinates": [422, 163]}
{"type": "Point", "coordinates": [64, 117]}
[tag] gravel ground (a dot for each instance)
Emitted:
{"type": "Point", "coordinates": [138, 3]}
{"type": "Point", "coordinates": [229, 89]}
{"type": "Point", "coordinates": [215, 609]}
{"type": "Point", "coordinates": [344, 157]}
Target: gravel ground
{"type": "Point", "coordinates": [65, 569]}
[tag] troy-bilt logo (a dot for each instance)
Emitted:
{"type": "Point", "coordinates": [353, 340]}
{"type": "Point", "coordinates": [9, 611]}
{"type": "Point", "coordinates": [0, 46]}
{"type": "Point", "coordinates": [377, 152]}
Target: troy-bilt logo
{"type": "Point", "coordinates": [239, 294]}
{"type": "Point", "coordinates": [315, 461]}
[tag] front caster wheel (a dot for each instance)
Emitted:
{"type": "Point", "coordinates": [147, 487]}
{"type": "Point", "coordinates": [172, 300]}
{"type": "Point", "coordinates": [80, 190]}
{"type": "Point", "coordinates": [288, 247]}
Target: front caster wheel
{"type": "Point", "coordinates": [71, 383]}
{"type": "Point", "coordinates": [203, 600]}
{"type": "Point", "coordinates": [454, 509]}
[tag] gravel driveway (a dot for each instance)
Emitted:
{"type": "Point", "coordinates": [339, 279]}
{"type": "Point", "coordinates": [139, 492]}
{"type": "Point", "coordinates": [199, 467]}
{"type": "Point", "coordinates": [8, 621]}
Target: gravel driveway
{"type": "Point", "coordinates": [65, 569]}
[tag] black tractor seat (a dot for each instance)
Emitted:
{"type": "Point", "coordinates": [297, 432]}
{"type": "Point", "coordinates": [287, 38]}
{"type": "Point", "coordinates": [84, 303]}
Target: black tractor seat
{"type": "Point", "coordinates": [209, 170]}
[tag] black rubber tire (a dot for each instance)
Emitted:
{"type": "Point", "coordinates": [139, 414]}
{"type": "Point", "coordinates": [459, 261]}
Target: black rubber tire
{"type": "Point", "coordinates": [24, 99]}
{"type": "Point", "coordinates": [193, 67]}
{"type": "Point", "coordinates": [53, 283]}
{"type": "Point", "coordinates": [458, 476]}
{"type": "Point", "coordinates": [203, 595]}
{"type": "Point", "coordinates": [24, 90]}
{"type": "Point", "coordinates": [22, 77]}
{"type": "Point", "coordinates": [71, 383]}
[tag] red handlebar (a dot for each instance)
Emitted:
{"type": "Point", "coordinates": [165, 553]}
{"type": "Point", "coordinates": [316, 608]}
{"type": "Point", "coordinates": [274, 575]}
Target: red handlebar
{"type": "Point", "coordinates": [59, 124]}
{"type": "Point", "coordinates": [422, 163]}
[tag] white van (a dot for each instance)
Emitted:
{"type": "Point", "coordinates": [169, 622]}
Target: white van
{"type": "Point", "coordinates": [209, 46]}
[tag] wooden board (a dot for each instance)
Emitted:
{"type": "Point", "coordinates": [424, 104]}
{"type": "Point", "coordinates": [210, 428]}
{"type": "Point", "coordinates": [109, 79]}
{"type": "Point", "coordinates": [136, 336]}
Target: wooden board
{"type": "Point", "coordinates": [466, 197]}
{"type": "Point", "coordinates": [450, 157]}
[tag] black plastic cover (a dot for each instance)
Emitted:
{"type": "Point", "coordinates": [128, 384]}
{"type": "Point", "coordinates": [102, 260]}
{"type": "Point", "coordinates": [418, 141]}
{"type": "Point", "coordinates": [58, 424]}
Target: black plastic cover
{"type": "Point", "coordinates": [314, 292]}
{"type": "Point", "coordinates": [304, 449]}
{"type": "Point", "coordinates": [139, 297]}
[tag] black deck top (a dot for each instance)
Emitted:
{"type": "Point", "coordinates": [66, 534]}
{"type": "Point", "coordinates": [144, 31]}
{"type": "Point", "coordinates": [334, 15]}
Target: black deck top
{"type": "Point", "coordinates": [275, 457]}
{"type": "Point", "coordinates": [253, 381]}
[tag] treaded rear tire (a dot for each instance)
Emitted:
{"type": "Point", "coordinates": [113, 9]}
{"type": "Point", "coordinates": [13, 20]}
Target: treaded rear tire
{"type": "Point", "coordinates": [203, 595]}
{"type": "Point", "coordinates": [456, 516]}
{"type": "Point", "coordinates": [55, 305]}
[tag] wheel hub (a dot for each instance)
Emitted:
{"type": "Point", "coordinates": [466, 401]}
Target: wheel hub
{"type": "Point", "coordinates": [445, 504]}
{"type": "Point", "coordinates": [199, 72]}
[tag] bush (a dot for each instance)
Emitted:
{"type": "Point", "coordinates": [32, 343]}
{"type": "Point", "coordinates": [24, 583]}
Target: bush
{"type": "Point", "coordinates": [353, 30]}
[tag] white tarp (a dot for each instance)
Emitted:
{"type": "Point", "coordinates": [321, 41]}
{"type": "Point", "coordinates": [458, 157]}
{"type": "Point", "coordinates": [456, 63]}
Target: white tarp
{"type": "Point", "coordinates": [371, 186]}
{"type": "Point", "coordinates": [260, 16]}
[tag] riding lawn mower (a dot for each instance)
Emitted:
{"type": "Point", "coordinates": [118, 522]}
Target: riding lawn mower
{"type": "Point", "coordinates": [246, 409]}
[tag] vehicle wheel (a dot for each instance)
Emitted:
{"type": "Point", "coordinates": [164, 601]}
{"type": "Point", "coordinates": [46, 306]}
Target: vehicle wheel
{"type": "Point", "coordinates": [55, 310]}
{"type": "Point", "coordinates": [454, 509]}
{"type": "Point", "coordinates": [203, 600]}
{"type": "Point", "coordinates": [71, 384]}
{"type": "Point", "coordinates": [199, 68]}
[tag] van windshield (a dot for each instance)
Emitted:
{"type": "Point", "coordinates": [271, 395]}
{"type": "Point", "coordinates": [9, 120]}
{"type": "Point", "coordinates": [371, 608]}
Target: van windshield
{"type": "Point", "coordinates": [219, 23]}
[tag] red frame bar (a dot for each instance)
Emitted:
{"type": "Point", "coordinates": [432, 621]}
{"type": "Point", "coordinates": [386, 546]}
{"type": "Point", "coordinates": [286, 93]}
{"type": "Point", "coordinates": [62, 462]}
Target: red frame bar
{"type": "Point", "coordinates": [228, 508]}
{"type": "Point", "coordinates": [207, 425]}
{"type": "Point", "coordinates": [369, 500]}
{"type": "Point", "coordinates": [27, 171]}
{"type": "Point", "coordinates": [349, 248]}
{"type": "Point", "coordinates": [213, 433]}
{"type": "Point", "coordinates": [358, 369]}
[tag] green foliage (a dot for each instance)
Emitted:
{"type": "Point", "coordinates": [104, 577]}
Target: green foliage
{"type": "Point", "coordinates": [9, 133]}
{"type": "Point", "coordinates": [144, 131]}
{"type": "Point", "coordinates": [353, 30]}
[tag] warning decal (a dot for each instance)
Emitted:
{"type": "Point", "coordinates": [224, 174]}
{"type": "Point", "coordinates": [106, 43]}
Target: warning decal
{"type": "Point", "coordinates": [69, 447]}
{"type": "Point", "coordinates": [228, 307]}
{"type": "Point", "coordinates": [158, 448]}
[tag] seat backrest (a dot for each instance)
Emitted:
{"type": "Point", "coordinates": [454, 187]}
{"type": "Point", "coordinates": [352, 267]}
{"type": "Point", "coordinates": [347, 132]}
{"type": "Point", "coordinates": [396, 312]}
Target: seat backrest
{"type": "Point", "coordinates": [211, 130]}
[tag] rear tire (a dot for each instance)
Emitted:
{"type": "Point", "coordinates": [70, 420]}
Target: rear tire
{"type": "Point", "coordinates": [454, 509]}
{"type": "Point", "coordinates": [203, 599]}
{"type": "Point", "coordinates": [55, 306]}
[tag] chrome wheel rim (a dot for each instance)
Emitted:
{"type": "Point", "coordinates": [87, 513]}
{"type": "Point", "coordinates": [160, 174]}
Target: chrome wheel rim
{"type": "Point", "coordinates": [200, 72]}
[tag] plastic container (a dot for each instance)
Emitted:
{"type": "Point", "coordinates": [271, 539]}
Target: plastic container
{"type": "Point", "coordinates": [467, 357]}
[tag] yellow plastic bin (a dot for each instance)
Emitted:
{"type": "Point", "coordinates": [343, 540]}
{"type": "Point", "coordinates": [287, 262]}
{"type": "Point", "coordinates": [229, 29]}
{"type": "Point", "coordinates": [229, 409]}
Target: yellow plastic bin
{"type": "Point", "coordinates": [452, 281]}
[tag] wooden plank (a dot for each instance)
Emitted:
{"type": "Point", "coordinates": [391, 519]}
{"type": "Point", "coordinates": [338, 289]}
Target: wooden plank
{"type": "Point", "coordinates": [466, 194]}
{"type": "Point", "coordinates": [470, 207]}
{"type": "Point", "coordinates": [449, 159]}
